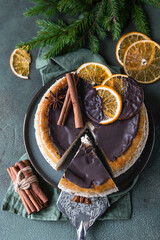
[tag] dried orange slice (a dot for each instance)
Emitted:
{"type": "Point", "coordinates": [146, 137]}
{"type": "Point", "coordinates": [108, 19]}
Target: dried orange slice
{"type": "Point", "coordinates": [94, 73]}
{"type": "Point", "coordinates": [125, 41]}
{"type": "Point", "coordinates": [111, 103]}
{"type": "Point", "coordinates": [142, 61]}
{"type": "Point", "coordinates": [116, 81]}
{"type": "Point", "coordinates": [19, 62]}
{"type": "Point", "coordinates": [130, 91]}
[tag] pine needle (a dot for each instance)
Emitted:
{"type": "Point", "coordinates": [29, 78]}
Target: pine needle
{"type": "Point", "coordinates": [88, 21]}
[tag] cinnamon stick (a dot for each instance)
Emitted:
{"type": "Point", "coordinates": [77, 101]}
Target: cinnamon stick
{"type": "Point", "coordinates": [34, 186]}
{"type": "Point", "coordinates": [80, 199]}
{"type": "Point", "coordinates": [66, 105]}
{"type": "Point", "coordinates": [25, 199]}
{"type": "Point", "coordinates": [65, 109]}
{"type": "Point", "coordinates": [33, 198]}
{"type": "Point", "coordinates": [74, 99]}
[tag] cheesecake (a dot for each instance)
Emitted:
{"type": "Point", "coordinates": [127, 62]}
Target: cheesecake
{"type": "Point", "coordinates": [85, 175]}
{"type": "Point", "coordinates": [121, 142]}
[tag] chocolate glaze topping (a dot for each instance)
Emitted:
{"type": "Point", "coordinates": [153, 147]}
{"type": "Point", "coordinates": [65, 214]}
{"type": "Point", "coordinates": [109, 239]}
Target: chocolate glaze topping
{"type": "Point", "coordinates": [115, 138]}
{"type": "Point", "coordinates": [86, 170]}
{"type": "Point", "coordinates": [132, 99]}
{"type": "Point", "coordinates": [62, 137]}
{"type": "Point", "coordinates": [93, 105]}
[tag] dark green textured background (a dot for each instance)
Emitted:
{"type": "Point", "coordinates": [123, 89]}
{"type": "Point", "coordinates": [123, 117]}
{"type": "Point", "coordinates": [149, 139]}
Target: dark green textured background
{"type": "Point", "coordinates": [15, 96]}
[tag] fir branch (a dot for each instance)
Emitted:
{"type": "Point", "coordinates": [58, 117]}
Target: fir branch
{"type": "Point", "coordinates": [93, 43]}
{"type": "Point", "coordinates": [100, 31]}
{"type": "Point", "coordinates": [125, 15]}
{"type": "Point", "coordinates": [50, 12]}
{"type": "Point", "coordinates": [87, 22]}
{"type": "Point", "coordinates": [111, 19]}
{"type": "Point", "coordinates": [31, 12]}
{"type": "Point", "coordinates": [74, 7]}
{"type": "Point", "coordinates": [59, 35]}
{"type": "Point", "coordinates": [46, 8]}
{"type": "Point", "coordinates": [115, 29]}
{"type": "Point", "coordinates": [139, 19]}
{"type": "Point", "coordinates": [89, 30]}
{"type": "Point", "coordinates": [114, 18]}
{"type": "Point", "coordinates": [56, 49]}
{"type": "Point", "coordinates": [106, 23]}
{"type": "Point", "coordinates": [122, 4]}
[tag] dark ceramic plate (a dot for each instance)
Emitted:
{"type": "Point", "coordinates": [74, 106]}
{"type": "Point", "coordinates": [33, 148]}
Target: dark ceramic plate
{"type": "Point", "coordinates": [52, 176]}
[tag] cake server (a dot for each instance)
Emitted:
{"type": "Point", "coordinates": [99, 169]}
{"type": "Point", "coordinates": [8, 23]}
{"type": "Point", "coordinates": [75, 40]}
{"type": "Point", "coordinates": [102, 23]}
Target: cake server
{"type": "Point", "coordinates": [82, 216]}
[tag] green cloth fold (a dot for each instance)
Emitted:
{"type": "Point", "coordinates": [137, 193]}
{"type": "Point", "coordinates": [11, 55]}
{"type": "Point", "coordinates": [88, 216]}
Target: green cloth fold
{"type": "Point", "coordinates": [120, 202]}
{"type": "Point", "coordinates": [55, 66]}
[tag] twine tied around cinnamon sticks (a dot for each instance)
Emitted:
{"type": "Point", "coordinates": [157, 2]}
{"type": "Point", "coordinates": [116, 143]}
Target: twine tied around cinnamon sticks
{"type": "Point", "coordinates": [32, 196]}
{"type": "Point", "coordinates": [24, 183]}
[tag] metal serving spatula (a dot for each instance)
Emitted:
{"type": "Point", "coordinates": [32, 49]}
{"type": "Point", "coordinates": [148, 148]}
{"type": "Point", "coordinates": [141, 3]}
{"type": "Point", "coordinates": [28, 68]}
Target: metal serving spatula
{"type": "Point", "coordinates": [82, 216]}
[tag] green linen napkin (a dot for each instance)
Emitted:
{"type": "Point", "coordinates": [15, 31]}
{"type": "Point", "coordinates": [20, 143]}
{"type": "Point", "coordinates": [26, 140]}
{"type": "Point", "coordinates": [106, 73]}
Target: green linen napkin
{"type": "Point", "coordinates": [120, 201]}
{"type": "Point", "coordinates": [53, 67]}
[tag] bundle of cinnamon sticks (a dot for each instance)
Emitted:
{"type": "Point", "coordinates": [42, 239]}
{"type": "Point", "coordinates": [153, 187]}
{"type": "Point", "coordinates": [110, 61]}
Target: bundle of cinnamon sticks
{"type": "Point", "coordinates": [33, 198]}
{"type": "Point", "coordinates": [71, 97]}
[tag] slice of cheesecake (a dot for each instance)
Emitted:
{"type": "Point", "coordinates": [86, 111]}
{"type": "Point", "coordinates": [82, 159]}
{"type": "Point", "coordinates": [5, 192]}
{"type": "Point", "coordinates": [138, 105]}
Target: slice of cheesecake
{"type": "Point", "coordinates": [86, 176]}
{"type": "Point", "coordinates": [122, 141]}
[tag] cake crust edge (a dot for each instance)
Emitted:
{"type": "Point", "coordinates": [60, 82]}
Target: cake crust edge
{"type": "Point", "coordinates": [126, 160]}
{"type": "Point", "coordinates": [97, 191]}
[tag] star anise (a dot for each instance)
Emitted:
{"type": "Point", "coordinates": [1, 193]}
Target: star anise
{"type": "Point", "coordinates": [56, 99]}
